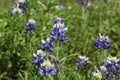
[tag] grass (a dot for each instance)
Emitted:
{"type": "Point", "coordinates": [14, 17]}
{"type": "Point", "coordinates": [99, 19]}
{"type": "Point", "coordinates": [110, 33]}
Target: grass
{"type": "Point", "coordinates": [83, 28]}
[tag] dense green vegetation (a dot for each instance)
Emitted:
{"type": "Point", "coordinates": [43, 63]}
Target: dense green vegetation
{"type": "Point", "coordinates": [84, 26]}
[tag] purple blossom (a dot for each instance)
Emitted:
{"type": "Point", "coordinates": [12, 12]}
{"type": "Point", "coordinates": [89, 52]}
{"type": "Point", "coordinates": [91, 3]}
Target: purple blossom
{"type": "Point", "coordinates": [20, 8]}
{"type": "Point", "coordinates": [86, 3]}
{"type": "Point", "coordinates": [102, 42]}
{"type": "Point", "coordinates": [38, 59]}
{"type": "Point", "coordinates": [108, 71]}
{"type": "Point", "coordinates": [82, 62]}
{"type": "Point", "coordinates": [106, 1]}
{"type": "Point", "coordinates": [47, 72]}
{"type": "Point", "coordinates": [112, 66]}
{"type": "Point", "coordinates": [47, 45]}
{"type": "Point", "coordinates": [47, 69]}
{"type": "Point", "coordinates": [59, 31]}
{"type": "Point", "coordinates": [31, 25]}
{"type": "Point", "coordinates": [61, 8]}
{"type": "Point", "coordinates": [22, 5]}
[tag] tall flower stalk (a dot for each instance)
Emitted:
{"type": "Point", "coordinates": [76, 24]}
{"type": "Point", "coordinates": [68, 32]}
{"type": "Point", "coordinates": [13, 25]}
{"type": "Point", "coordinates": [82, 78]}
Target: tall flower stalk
{"type": "Point", "coordinates": [102, 44]}
{"type": "Point", "coordinates": [59, 36]}
{"type": "Point", "coordinates": [30, 27]}
{"type": "Point", "coordinates": [83, 65]}
{"type": "Point", "coordinates": [45, 60]}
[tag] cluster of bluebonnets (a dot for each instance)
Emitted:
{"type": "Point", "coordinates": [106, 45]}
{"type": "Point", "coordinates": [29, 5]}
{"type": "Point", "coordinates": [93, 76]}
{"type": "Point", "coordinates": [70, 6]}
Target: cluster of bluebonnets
{"type": "Point", "coordinates": [19, 8]}
{"type": "Point", "coordinates": [44, 66]}
{"type": "Point", "coordinates": [109, 70]}
{"type": "Point", "coordinates": [45, 61]}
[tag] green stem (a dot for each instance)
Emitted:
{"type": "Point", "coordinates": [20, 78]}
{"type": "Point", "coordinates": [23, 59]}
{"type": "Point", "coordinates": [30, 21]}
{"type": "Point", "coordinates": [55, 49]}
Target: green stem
{"type": "Point", "coordinates": [58, 55]}
{"type": "Point", "coordinates": [43, 5]}
{"type": "Point", "coordinates": [100, 54]}
{"type": "Point", "coordinates": [57, 60]}
{"type": "Point", "coordinates": [57, 50]}
{"type": "Point", "coordinates": [46, 55]}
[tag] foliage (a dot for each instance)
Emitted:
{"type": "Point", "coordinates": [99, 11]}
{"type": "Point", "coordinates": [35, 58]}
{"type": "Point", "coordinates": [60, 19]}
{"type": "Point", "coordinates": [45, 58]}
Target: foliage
{"type": "Point", "coordinates": [84, 25]}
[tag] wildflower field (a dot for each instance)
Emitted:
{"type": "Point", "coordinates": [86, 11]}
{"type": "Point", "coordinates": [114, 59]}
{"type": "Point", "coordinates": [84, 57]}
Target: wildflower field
{"type": "Point", "coordinates": [59, 39]}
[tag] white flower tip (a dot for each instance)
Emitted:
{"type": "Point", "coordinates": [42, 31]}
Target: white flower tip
{"type": "Point", "coordinates": [65, 29]}
{"type": "Point", "coordinates": [69, 7]}
{"type": "Point", "coordinates": [101, 36]}
{"type": "Point", "coordinates": [57, 7]}
{"type": "Point", "coordinates": [22, 1]}
{"type": "Point", "coordinates": [107, 37]}
{"type": "Point", "coordinates": [89, 4]}
{"type": "Point", "coordinates": [48, 39]}
{"type": "Point", "coordinates": [34, 55]}
{"type": "Point", "coordinates": [83, 57]}
{"type": "Point", "coordinates": [103, 68]}
{"type": "Point", "coordinates": [47, 63]}
{"type": "Point", "coordinates": [112, 59]}
{"type": "Point", "coordinates": [39, 52]}
{"type": "Point", "coordinates": [58, 18]}
{"type": "Point", "coordinates": [43, 41]}
{"type": "Point", "coordinates": [31, 21]}
{"type": "Point", "coordinates": [98, 75]}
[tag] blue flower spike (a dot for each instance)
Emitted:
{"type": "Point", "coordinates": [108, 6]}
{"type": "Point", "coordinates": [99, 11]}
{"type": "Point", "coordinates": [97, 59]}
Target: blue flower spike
{"type": "Point", "coordinates": [20, 8]}
{"type": "Point", "coordinates": [83, 61]}
{"type": "Point", "coordinates": [59, 31]}
{"type": "Point", "coordinates": [31, 25]}
{"type": "Point", "coordinates": [47, 69]}
{"type": "Point", "coordinates": [110, 70]}
{"type": "Point", "coordinates": [47, 45]}
{"type": "Point", "coordinates": [102, 42]}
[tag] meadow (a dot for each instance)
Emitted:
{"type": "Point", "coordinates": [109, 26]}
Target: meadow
{"type": "Point", "coordinates": [65, 33]}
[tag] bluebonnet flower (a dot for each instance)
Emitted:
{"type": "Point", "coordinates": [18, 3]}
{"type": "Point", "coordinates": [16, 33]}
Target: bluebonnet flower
{"type": "Point", "coordinates": [110, 70]}
{"type": "Point", "coordinates": [86, 3]}
{"type": "Point", "coordinates": [59, 23]}
{"type": "Point", "coordinates": [43, 65]}
{"type": "Point", "coordinates": [59, 31]}
{"type": "Point", "coordinates": [20, 8]}
{"type": "Point", "coordinates": [102, 42]}
{"type": "Point", "coordinates": [82, 62]}
{"type": "Point", "coordinates": [31, 25]}
{"type": "Point", "coordinates": [47, 69]}
{"type": "Point", "coordinates": [60, 7]}
{"type": "Point", "coordinates": [16, 10]}
{"type": "Point", "coordinates": [22, 5]}
{"type": "Point", "coordinates": [112, 66]}
{"type": "Point", "coordinates": [47, 45]}
{"type": "Point", "coordinates": [106, 1]}
{"type": "Point", "coordinates": [99, 73]}
{"type": "Point", "coordinates": [39, 58]}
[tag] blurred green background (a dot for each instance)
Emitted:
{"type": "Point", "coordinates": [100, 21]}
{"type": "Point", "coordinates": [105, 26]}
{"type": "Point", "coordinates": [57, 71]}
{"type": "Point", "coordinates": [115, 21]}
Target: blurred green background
{"type": "Point", "coordinates": [5, 4]}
